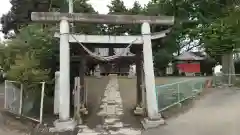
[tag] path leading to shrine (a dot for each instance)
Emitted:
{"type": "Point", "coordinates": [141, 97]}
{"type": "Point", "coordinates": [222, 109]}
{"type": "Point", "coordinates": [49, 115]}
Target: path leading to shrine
{"type": "Point", "coordinates": [217, 113]}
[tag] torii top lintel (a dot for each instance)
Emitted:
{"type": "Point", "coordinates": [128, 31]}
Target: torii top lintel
{"type": "Point", "coordinates": [101, 19]}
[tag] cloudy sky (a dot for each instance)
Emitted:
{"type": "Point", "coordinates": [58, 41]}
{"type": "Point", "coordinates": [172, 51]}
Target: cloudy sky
{"type": "Point", "coordinates": [99, 5]}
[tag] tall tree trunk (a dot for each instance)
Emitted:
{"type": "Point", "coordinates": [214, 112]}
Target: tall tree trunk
{"type": "Point", "coordinates": [228, 68]}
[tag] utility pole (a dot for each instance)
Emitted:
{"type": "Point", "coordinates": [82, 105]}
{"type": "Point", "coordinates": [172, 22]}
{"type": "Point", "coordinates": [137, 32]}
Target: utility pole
{"type": "Point", "coordinates": [70, 10]}
{"type": "Point", "coordinates": [70, 6]}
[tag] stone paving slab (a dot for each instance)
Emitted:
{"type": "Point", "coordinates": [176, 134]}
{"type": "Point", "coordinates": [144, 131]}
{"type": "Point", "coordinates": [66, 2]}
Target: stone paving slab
{"type": "Point", "coordinates": [111, 111]}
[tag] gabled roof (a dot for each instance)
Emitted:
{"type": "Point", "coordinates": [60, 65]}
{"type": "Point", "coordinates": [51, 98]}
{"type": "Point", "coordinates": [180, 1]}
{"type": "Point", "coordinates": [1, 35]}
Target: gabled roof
{"type": "Point", "coordinates": [189, 56]}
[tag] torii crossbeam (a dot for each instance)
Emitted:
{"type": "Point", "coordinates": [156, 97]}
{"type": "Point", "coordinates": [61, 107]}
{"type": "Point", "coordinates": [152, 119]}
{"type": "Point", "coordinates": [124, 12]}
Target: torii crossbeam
{"type": "Point", "coordinates": [65, 18]}
{"type": "Point", "coordinates": [101, 19]}
{"type": "Point", "coordinates": [108, 39]}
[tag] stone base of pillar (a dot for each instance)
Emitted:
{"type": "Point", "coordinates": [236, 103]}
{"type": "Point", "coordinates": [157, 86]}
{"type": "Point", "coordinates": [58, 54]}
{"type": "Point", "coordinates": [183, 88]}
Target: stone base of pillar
{"type": "Point", "coordinates": [97, 75]}
{"type": "Point", "coordinates": [84, 110]}
{"type": "Point", "coordinates": [69, 132]}
{"type": "Point", "coordinates": [131, 76]}
{"type": "Point", "coordinates": [139, 111]}
{"type": "Point", "coordinates": [62, 126]}
{"type": "Point", "coordinates": [152, 123]}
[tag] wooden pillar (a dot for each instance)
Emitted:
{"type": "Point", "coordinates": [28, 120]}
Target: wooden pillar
{"type": "Point", "coordinates": [139, 110]}
{"type": "Point", "coordinates": [110, 53]}
{"type": "Point", "coordinates": [139, 76]}
{"type": "Point", "coordinates": [82, 78]}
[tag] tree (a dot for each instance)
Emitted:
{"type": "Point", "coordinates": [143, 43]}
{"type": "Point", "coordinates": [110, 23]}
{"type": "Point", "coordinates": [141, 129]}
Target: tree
{"type": "Point", "coordinates": [221, 38]}
{"type": "Point", "coordinates": [36, 40]}
{"type": "Point", "coordinates": [162, 59]}
{"type": "Point", "coordinates": [20, 13]}
{"type": "Point", "coordinates": [37, 44]}
{"type": "Point", "coordinates": [181, 10]}
{"type": "Point", "coordinates": [164, 48]}
{"type": "Point", "coordinates": [82, 6]}
{"type": "Point", "coordinates": [26, 70]}
{"type": "Point", "coordinates": [117, 7]}
{"type": "Point", "coordinates": [135, 29]}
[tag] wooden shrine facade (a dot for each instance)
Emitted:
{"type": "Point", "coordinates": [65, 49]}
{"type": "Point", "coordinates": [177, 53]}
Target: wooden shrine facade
{"type": "Point", "coordinates": [189, 64]}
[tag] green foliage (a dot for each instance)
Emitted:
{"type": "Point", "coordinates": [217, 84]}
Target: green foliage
{"type": "Point", "coordinates": [214, 23]}
{"type": "Point", "coordinates": [6, 57]}
{"type": "Point", "coordinates": [20, 14]}
{"type": "Point", "coordinates": [16, 21]}
{"type": "Point", "coordinates": [30, 56]}
{"type": "Point", "coordinates": [222, 36]}
{"type": "Point", "coordinates": [41, 42]}
{"type": "Point", "coordinates": [161, 59]}
{"type": "Point", "coordinates": [135, 29]}
{"type": "Point", "coordinates": [81, 6]}
{"type": "Point", "coordinates": [117, 7]}
{"type": "Point", "coordinates": [26, 70]}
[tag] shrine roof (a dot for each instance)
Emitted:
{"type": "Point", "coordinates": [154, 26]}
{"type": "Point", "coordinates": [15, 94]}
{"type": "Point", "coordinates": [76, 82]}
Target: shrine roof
{"type": "Point", "coordinates": [189, 56]}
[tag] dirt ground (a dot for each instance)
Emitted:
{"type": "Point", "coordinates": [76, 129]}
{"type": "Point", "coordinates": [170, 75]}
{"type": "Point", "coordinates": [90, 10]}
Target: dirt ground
{"type": "Point", "coordinates": [96, 88]}
{"type": "Point", "coordinates": [127, 86]}
{"type": "Point", "coordinates": [128, 93]}
{"type": "Point", "coordinates": [8, 126]}
{"type": "Point", "coordinates": [10, 132]}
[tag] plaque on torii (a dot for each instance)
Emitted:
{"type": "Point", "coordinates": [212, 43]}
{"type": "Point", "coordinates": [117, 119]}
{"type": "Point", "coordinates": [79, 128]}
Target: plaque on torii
{"type": "Point", "coordinates": [146, 37]}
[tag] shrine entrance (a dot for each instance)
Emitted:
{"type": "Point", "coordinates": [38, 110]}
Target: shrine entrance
{"type": "Point", "coordinates": [146, 103]}
{"type": "Point", "coordinates": [132, 46]}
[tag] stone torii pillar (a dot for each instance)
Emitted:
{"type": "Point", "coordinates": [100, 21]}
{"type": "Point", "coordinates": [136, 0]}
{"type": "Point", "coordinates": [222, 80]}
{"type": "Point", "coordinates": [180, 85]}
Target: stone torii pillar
{"type": "Point", "coordinates": [154, 118]}
{"type": "Point", "coordinates": [64, 69]}
{"type": "Point", "coordinates": [64, 121]}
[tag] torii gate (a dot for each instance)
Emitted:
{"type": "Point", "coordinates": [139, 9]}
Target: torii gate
{"type": "Point", "coordinates": [64, 121]}
{"type": "Point", "coordinates": [120, 41]}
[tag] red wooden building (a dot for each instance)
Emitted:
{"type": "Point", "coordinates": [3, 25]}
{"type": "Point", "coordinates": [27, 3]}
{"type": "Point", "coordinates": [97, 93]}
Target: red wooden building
{"type": "Point", "coordinates": [189, 63]}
